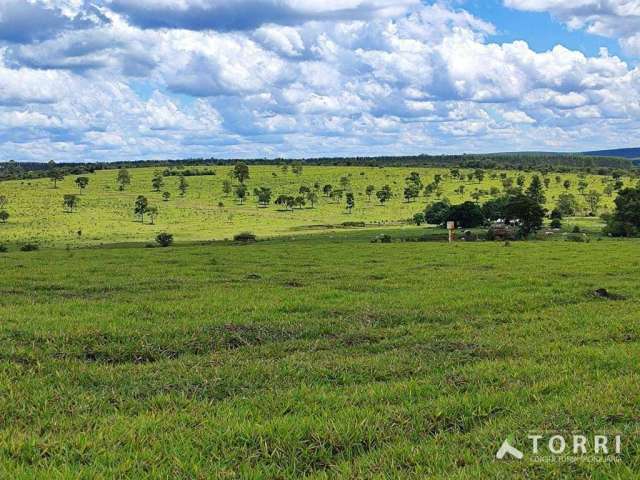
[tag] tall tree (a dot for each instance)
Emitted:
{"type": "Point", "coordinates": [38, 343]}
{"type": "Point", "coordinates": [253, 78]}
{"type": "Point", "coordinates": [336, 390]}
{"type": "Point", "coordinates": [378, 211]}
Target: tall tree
{"type": "Point", "coordinates": [82, 183]}
{"type": "Point", "coordinates": [182, 185]}
{"type": "Point", "coordinates": [157, 182]}
{"type": "Point", "coordinates": [70, 202]}
{"type": "Point", "coordinates": [140, 207]}
{"type": "Point", "coordinates": [123, 179]}
{"type": "Point", "coordinates": [535, 190]}
{"type": "Point", "coordinates": [241, 172]}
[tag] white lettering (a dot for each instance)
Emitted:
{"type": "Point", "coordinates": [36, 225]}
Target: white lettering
{"type": "Point", "coordinates": [560, 440]}
{"type": "Point", "coordinates": [579, 444]}
{"type": "Point", "coordinates": [535, 439]}
{"type": "Point", "coordinates": [600, 444]}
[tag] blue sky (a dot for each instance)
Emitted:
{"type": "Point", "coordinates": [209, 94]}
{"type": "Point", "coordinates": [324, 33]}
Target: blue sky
{"type": "Point", "coordinates": [140, 79]}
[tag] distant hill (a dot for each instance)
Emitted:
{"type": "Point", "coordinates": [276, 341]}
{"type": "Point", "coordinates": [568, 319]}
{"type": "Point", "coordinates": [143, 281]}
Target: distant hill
{"type": "Point", "coordinates": [630, 153]}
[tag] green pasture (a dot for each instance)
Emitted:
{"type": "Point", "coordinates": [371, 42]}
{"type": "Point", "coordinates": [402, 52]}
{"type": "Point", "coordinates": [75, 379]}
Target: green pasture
{"type": "Point", "coordinates": [324, 356]}
{"type": "Point", "coordinates": [105, 214]}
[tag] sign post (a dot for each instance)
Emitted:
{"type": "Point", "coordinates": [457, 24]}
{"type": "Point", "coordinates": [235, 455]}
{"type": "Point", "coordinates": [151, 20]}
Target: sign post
{"type": "Point", "coordinates": [451, 226]}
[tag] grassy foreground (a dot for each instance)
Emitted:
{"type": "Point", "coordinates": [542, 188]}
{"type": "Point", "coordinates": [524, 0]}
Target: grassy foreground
{"type": "Point", "coordinates": [323, 357]}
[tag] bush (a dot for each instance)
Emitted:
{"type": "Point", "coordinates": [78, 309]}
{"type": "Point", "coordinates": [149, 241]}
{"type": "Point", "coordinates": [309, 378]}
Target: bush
{"type": "Point", "coordinates": [3, 248]}
{"type": "Point", "coordinates": [29, 247]}
{"type": "Point", "coordinates": [469, 236]}
{"type": "Point", "coordinates": [384, 238]}
{"type": "Point", "coordinates": [353, 224]}
{"type": "Point", "coordinates": [577, 237]}
{"type": "Point", "coordinates": [244, 237]}
{"type": "Point", "coordinates": [555, 223]}
{"type": "Point", "coordinates": [164, 239]}
{"type": "Point", "coordinates": [576, 229]}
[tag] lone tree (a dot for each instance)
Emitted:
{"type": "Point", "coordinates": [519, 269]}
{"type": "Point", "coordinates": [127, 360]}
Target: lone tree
{"type": "Point", "coordinates": [312, 198]}
{"type": "Point", "coordinates": [123, 179]}
{"type": "Point", "coordinates": [70, 202]}
{"type": "Point", "coordinates": [4, 201]}
{"type": "Point", "coordinates": [241, 193]}
{"type": "Point", "coordinates": [82, 183]}
{"type": "Point", "coordinates": [153, 214]}
{"type": "Point", "coordinates": [182, 185]}
{"type": "Point", "coordinates": [418, 218]}
{"type": "Point", "coordinates": [157, 182]}
{"type": "Point", "coordinates": [166, 196]}
{"type": "Point", "coordinates": [384, 194]}
{"type": "Point", "coordinates": [4, 216]}
{"type": "Point", "coordinates": [351, 202]}
{"type": "Point", "coordinates": [140, 207]}
{"type": "Point", "coordinates": [264, 196]}
{"type": "Point", "coordinates": [369, 191]}
{"type": "Point", "coordinates": [55, 174]}
{"type": "Point", "coordinates": [327, 189]}
{"type": "Point", "coordinates": [227, 187]}
{"type": "Point", "coordinates": [566, 184]}
{"type": "Point", "coordinates": [297, 168]}
{"type": "Point", "coordinates": [241, 172]}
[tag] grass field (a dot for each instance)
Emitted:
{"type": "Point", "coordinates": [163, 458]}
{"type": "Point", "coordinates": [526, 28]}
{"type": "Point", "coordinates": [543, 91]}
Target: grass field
{"type": "Point", "coordinates": [321, 357]}
{"type": "Point", "coordinates": [105, 215]}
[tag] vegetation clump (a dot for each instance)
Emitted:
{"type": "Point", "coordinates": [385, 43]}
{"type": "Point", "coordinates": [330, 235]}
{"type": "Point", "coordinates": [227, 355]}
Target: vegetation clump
{"type": "Point", "coordinates": [244, 237]}
{"type": "Point", "coordinates": [164, 239]}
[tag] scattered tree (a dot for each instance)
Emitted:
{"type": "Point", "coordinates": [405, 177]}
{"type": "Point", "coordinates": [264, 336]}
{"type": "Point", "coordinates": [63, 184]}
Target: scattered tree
{"type": "Point", "coordinates": [241, 172]}
{"type": "Point", "coordinates": [351, 202]}
{"type": "Point", "coordinates": [241, 193]}
{"type": "Point", "coordinates": [369, 191]}
{"type": "Point", "coordinates": [384, 194]}
{"type": "Point", "coordinates": [4, 216]}
{"type": "Point", "coordinates": [593, 200]}
{"type": "Point", "coordinates": [227, 187]}
{"type": "Point", "coordinates": [153, 214]}
{"type": "Point", "coordinates": [535, 190]}
{"type": "Point", "coordinates": [70, 202]}
{"type": "Point", "coordinates": [123, 179]}
{"type": "Point", "coordinates": [164, 239]}
{"type": "Point", "coordinates": [166, 196]}
{"type": "Point", "coordinates": [182, 185]}
{"type": "Point", "coordinates": [264, 196]}
{"type": "Point", "coordinates": [82, 183]}
{"type": "Point", "coordinates": [140, 207]}
{"type": "Point", "coordinates": [312, 198]}
{"type": "Point", "coordinates": [157, 182]}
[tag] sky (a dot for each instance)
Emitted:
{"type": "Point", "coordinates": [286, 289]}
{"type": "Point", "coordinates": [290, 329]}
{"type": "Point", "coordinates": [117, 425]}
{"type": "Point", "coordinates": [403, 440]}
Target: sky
{"type": "Point", "coordinates": [107, 80]}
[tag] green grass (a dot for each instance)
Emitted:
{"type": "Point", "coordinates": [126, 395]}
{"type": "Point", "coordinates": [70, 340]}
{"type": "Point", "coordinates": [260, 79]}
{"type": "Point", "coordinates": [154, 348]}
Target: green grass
{"type": "Point", "coordinates": [106, 215]}
{"type": "Point", "coordinates": [322, 357]}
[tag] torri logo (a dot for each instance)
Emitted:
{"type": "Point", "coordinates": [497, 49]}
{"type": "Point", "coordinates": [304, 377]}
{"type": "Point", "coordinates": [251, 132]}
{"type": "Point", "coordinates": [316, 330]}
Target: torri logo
{"type": "Point", "coordinates": [575, 446]}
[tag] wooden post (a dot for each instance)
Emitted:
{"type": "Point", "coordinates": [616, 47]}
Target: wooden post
{"type": "Point", "coordinates": [451, 226]}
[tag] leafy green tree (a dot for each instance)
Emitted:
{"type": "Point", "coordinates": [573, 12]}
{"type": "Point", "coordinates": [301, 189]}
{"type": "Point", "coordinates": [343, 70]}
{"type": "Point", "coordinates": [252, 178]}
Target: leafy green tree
{"type": "Point", "coordinates": [625, 222]}
{"type": "Point", "coordinates": [4, 216]}
{"type": "Point", "coordinates": [520, 181]}
{"type": "Point", "coordinates": [82, 183]}
{"type": "Point", "coordinates": [164, 239]}
{"type": "Point", "coordinates": [304, 190]}
{"type": "Point", "coordinates": [494, 209]}
{"type": "Point", "coordinates": [241, 193]}
{"type": "Point", "coordinates": [153, 214]}
{"type": "Point", "coordinates": [157, 182]}
{"type": "Point", "coordinates": [418, 218]}
{"type": "Point", "coordinates": [384, 194]}
{"type": "Point", "coordinates": [140, 207]}
{"type": "Point", "coordinates": [466, 215]}
{"type": "Point", "coordinates": [241, 172]}
{"type": "Point", "coordinates": [286, 201]}
{"type": "Point", "coordinates": [437, 213]}
{"type": "Point", "coordinates": [123, 179]}
{"type": "Point", "coordinates": [479, 174]}
{"type": "Point", "coordinates": [351, 202]}
{"type": "Point", "coordinates": [227, 187]}
{"type": "Point", "coordinates": [264, 196]}
{"type": "Point", "coordinates": [345, 181]}
{"type": "Point", "coordinates": [566, 184]}
{"type": "Point", "coordinates": [526, 211]}
{"type": "Point", "coordinates": [296, 168]}
{"type": "Point", "coordinates": [166, 196]}
{"type": "Point", "coordinates": [70, 202]}
{"type": "Point", "coordinates": [369, 191]}
{"type": "Point", "coordinates": [55, 175]}
{"type": "Point", "coordinates": [299, 202]}
{"type": "Point", "coordinates": [567, 204]}
{"type": "Point", "coordinates": [593, 200]}
{"type": "Point", "coordinates": [4, 201]}
{"type": "Point", "coordinates": [327, 189]}
{"type": "Point", "coordinates": [182, 185]}
{"type": "Point", "coordinates": [535, 190]}
{"type": "Point", "coordinates": [312, 198]}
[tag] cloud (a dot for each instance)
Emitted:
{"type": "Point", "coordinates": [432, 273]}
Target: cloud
{"type": "Point", "coordinates": [609, 18]}
{"type": "Point", "coordinates": [337, 77]}
{"type": "Point", "coordinates": [224, 15]}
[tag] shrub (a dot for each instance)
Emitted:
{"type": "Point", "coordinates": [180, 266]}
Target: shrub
{"type": "Point", "coordinates": [353, 224]}
{"type": "Point", "coordinates": [3, 248]}
{"type": "Point", "coordinates": [29, 247]}
{"type": "Point", "coordinates": [384, 238]}
{"type": "Point", "coordinates": [576, 229]}
{"type": "Point", "coordinates": [244, 237]}
{"type": "Point", "coordinates": [469, 236]}
{"type": "Point", "coordinates": [164, 239]}
{"type": "Point", "coordinates": [577, 237]}
{"type": "Point", "coordinates": [555, 223]}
